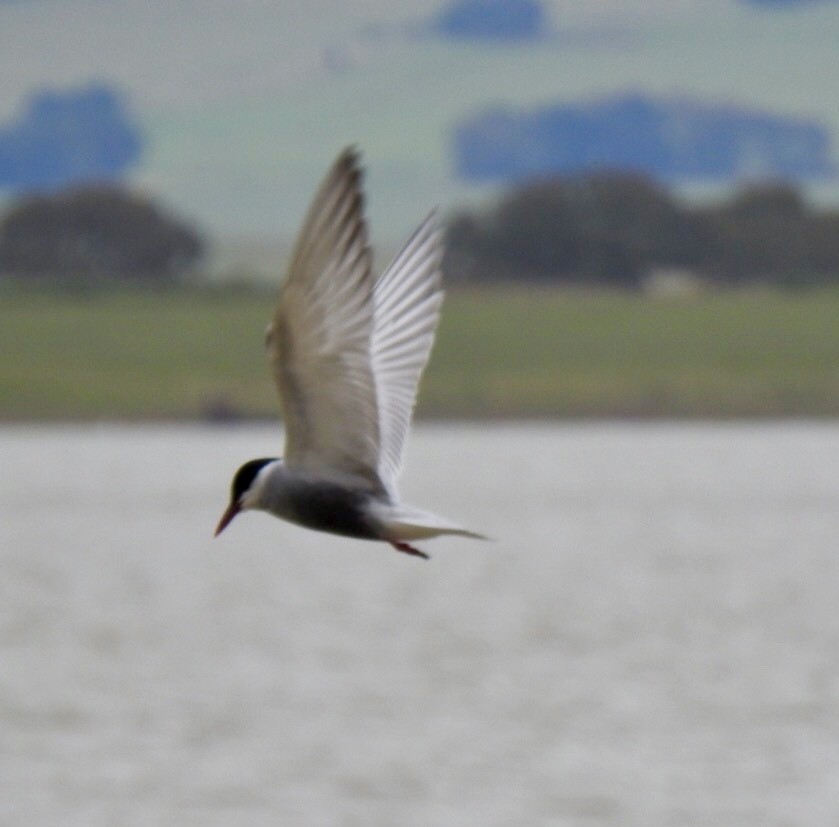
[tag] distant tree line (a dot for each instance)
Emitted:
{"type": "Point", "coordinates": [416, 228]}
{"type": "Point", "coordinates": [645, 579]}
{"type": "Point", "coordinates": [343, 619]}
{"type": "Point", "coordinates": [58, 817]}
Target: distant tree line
{"type": "Point", "coordinates": [615, 228]}
{"type": "Point", "coordinates": [99, 234]}
{"type": "Point", "coordinates": [63, 230]}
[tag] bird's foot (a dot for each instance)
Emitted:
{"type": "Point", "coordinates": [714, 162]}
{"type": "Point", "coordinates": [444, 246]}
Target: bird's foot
{"type": "Point", "coordinates": [408, 549]}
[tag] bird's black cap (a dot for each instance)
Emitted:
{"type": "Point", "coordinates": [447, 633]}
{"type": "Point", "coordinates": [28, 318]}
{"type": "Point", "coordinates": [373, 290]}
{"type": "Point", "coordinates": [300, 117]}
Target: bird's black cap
{"type": "Point", "coordinates": [242, 481]}
{"type": "Point", "coordinates": [244, 477]}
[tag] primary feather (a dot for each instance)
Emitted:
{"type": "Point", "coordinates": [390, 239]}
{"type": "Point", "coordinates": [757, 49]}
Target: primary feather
{"type": "Point", "coordinates": [319, 340]}
{"type": "Point", "coordinates": [347, 351]}
{"type": "Point", "coordinates": [407, 300]}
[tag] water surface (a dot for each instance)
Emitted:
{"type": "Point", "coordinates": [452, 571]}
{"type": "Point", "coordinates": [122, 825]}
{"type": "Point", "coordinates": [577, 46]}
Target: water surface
{"type": "Point", "coordinates": [653, 639]}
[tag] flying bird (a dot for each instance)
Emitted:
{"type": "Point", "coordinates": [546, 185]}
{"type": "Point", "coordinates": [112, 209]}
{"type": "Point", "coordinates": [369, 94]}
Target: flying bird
{"type": "Point", "coordinates": [347, 351]}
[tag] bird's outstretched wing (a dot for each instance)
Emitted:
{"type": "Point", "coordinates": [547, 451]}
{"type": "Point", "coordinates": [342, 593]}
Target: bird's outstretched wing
{"type": "Point", "coordinates": [407, 300]}
{"type": "Point", "coordinates": [319, 340]}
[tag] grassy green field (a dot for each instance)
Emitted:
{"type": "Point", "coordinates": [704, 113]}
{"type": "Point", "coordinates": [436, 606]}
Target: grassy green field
{"type": "Point", "coordinates": [500, 353]}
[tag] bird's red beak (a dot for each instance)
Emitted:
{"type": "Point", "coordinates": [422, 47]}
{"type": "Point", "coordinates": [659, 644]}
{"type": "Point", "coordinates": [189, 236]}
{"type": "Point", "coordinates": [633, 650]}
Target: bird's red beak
{"type": "Point", "coordinates": [230, 512]}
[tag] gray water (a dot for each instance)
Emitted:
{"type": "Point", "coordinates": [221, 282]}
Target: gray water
{"type": "Point", "coordinates": [653, 639]}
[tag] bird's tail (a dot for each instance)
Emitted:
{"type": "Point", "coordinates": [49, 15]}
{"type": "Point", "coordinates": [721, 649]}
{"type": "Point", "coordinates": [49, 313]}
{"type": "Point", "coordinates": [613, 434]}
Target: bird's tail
{"type": "Point", "coordinates": [400, 522]}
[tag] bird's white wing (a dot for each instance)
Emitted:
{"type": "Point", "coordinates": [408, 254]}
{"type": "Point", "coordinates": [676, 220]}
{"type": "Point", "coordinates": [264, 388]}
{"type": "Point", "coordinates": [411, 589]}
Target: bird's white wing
{"type": "Point", "coordinates": [319, 340]}
{"type": "Point", "coordinates": [407, 300]}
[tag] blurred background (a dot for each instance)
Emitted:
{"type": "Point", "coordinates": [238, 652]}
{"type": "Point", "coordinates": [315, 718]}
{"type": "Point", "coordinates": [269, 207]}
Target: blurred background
{"type": "Point", "coordinates": [634, 389]}
{"type": "Point", "coordinates": [666, 150]}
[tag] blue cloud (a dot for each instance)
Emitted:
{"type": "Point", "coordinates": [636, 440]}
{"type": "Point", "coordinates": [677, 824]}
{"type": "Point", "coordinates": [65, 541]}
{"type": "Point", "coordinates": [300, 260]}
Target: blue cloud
{"type": "Point", "coordinates": [672, 139]}
{"type": "Point", "coordinates": [492, 20]}
{"type": "Point", "coordinates": [68, 137]}
{"type": "Point", "coordinates": [784, 4]}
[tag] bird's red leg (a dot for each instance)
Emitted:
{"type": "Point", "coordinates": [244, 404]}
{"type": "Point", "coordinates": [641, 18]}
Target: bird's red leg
{"type": "Point", "coordinates": [407, 549]}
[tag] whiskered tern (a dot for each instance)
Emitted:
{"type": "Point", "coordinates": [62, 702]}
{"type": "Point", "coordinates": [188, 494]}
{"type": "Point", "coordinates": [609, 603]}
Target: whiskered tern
{"type": "Point", "coordinates": [347, 351]}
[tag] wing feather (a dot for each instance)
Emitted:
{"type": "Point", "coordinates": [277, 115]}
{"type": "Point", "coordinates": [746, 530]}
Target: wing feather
{"type": "Point", "coordinates": [407, 299]}
{"type": "Point", "coordinates": [319, 341]}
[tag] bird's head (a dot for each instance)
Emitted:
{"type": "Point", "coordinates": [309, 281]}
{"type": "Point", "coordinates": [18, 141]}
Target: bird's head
{"type": "Point", "coordinates": [244, 491]}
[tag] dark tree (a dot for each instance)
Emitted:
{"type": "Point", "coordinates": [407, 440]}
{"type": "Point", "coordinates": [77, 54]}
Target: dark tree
{"type": "Point", "coordinates": [769, 233]}
{"type": "Point", "coordinates": [95, 234]}
{"type": "Point", "coordinates": [606, 228]}
{"type": "Point", "coordinates": [616, 227]}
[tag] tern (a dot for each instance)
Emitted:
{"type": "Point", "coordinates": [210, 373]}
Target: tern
{"type": "Point", "coordinates": [347, 351]}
